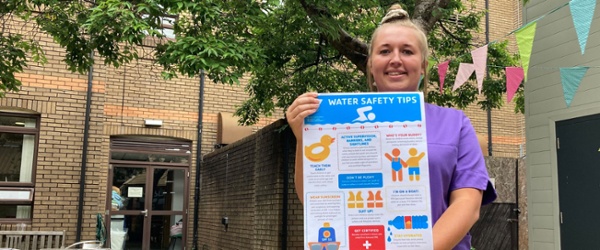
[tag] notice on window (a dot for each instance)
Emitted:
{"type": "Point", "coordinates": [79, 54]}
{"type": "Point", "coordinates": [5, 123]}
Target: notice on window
{"type": "Point", "coordinates": [366, 173]}
{"type": "Point", "coordinates": [135, 192]}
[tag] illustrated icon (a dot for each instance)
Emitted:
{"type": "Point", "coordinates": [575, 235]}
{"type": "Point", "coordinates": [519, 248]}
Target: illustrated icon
{"type": "Point", "coordinates": [375, 200]}
{"type": "Point", "coordinates": [407, 222]}
{"type": "Point", "coordinates": [363, 116]}
{"type": "Point", "coordinates": [355, 201]}
{"type": "Point", "coordinates": [397, 164]}
{"type": "Point", "coordinates": [319, 151]}
{"type": "Point", "coordinates": [410, 222]}
{"type": "Point", "coordinates": [326, 233]}
{"type": "Point", "coordinates": [326, 239]}
{"type": "Point", "coordinates": [414, 172]}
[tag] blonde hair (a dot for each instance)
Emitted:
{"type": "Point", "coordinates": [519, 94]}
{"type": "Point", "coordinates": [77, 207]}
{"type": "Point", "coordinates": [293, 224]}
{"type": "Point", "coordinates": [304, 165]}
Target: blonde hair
{"type": "Point", "coordinates": [398, 16]}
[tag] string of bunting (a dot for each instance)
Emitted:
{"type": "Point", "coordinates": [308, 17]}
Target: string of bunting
{"type": "Point", "coordinates": [582, 12]}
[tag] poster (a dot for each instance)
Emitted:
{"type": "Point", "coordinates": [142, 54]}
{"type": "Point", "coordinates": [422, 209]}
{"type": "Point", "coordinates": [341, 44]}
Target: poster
{"type": "Point", "coordinates": [366, 173]}
{"type": "Point", "coordinates": [135, 192]}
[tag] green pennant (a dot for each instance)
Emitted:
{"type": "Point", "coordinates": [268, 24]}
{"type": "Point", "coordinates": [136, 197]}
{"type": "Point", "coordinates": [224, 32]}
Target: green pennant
{"type": "Point", "coordinates": [525, 37]}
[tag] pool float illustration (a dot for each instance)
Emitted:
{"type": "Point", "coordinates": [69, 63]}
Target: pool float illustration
{"type": "Point", "coordinates": [319, 151]}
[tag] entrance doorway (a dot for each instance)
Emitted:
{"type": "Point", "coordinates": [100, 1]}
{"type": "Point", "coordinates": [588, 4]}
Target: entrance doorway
{"type": "Point", "coordinates": [148, 194]}
{"type": "Point", "coordinates": [578, 154]}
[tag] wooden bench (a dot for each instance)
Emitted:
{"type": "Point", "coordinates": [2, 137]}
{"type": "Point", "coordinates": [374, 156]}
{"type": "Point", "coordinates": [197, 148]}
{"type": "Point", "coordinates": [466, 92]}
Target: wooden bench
{"type": "Point", "coordinates": [32, 240]}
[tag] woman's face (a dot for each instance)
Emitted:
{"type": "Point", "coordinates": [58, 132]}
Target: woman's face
{"type": "Point", "coordinates": [396, 59]}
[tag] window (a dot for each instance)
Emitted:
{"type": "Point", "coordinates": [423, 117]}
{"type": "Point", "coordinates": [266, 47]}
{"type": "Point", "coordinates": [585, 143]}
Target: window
{"type": "Point", "coordinates": [166, 26]}
{"type": "Point", "coordinates": [19, 135]}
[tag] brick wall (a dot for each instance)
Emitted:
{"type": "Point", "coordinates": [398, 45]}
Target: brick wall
{"type": "Point", "coordinates": [245, 182]}
{"type": "Point", "coordinates": [122, 98]}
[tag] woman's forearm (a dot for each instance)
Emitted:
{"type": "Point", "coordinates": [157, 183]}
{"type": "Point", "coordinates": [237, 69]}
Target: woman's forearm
{"type": "Point", "coordinates": [458, 219]}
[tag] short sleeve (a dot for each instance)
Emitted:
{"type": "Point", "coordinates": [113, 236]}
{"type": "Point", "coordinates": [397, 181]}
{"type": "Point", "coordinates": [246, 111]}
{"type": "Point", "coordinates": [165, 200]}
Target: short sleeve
{"type": "Point", "coordinates": [470, 169]}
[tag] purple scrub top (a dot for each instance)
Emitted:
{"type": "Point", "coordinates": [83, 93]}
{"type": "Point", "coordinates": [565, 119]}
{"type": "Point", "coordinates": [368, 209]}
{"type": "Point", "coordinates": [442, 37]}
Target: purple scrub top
{"type": "Point", "coordinates": [455, 160]}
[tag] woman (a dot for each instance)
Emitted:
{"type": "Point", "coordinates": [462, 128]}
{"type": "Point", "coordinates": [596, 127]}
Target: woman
{"type": "Point", "coordinates": [459, 181]}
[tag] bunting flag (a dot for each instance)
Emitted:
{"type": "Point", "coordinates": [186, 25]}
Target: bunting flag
{"type": "Point", "coordinates": [525, 36]}
{"type": "Point", "coordinates": [514, 76]}
{"type": "Point", "coordinates": [465, 70]}
{"type": "Point", "coordinates": [430, 64]}
{"type": "Point", "coordinates": [480, 62]}
{"type": "Point", "coordinates": [571, 78]}
{"type": "Point", "coordinates": [442, 69]}
{"type": "Point", "coordinates": [582, 12]}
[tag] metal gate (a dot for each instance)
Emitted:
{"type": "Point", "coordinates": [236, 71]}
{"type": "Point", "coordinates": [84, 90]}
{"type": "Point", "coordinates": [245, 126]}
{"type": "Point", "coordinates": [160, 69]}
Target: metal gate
{"type": "Point", "coordinates": [497, 228]}
{"type": "Point", "coordinates": [498, 224]}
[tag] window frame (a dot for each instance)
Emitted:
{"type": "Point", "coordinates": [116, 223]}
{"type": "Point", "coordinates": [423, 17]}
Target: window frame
{"type": "Point", "coordinates": [28, 201]}
{"type": "Point", "coordinates": [22, 186]}
{"type": "Point", "coordinates": [26, 131]}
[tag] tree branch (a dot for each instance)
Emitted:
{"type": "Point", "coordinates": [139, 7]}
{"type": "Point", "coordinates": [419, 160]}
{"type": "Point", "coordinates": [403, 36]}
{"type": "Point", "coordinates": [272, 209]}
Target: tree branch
{"type": "Point", "coordinates": [425, 13]}
{"type": "Point", "coordinates": [448, 32]}
{"type": "Point", "coordinates": [324, 60]}
{"type": "Point", "coordinates": [355, 50]}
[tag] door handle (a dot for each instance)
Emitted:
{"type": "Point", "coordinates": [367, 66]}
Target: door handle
{"type": "Point", "coordinates": [144, 212]}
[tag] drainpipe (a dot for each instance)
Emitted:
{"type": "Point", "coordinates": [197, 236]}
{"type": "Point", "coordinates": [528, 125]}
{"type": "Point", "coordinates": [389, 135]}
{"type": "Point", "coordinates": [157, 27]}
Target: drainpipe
{"type": "Point", "coordinates": [286, 183]}
{"type": "Point", "coordinates": [198, 160]}
{"type": "Point", "coordinates": [488, 111]}
{"type": "Point", "coordinates": [86, 130]}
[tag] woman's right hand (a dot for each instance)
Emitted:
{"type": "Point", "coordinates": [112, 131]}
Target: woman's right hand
{"type": "Point", "coordinates": [305, 105]}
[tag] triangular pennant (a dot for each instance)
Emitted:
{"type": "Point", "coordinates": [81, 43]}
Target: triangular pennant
{"type": "Point", "coordinates": [582, 12]}
{"type": "Point", "coordinates": [465, 70]}
{"type": "Point", "coordinates": [571, 78]}
{"type": "Point", "coordinates": [480, 61]}
{"type": "Point", "coordinates": [525, 36]}
{"type": "Point", "coordinates": [442, 69]}
{"type": "Point", "coordinates": [430, 64]}
{"type": "Point", "coordinates": [514, 76]}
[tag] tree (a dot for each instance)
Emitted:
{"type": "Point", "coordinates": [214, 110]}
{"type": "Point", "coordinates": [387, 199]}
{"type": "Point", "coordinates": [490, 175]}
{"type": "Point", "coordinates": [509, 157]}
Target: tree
{"type": "Point", "coordinates": [327, 53]}
{"type": "Point", "coordinates": [288, 47]}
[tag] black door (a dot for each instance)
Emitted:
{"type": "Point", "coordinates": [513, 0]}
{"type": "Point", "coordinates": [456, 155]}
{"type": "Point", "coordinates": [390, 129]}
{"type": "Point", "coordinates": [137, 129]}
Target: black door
{"type": "Point", "coordinates": [578, 154]}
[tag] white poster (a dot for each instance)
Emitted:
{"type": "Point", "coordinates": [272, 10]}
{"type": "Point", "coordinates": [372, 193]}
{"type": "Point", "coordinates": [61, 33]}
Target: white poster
{"type": "Point", "coordinates": [366, 173]}
{"type": "Point", "coordinates": [135, 192]}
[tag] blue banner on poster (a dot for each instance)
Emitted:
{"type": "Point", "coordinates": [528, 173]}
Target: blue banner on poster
{"type": "Point", "coordinates": [366, 108]}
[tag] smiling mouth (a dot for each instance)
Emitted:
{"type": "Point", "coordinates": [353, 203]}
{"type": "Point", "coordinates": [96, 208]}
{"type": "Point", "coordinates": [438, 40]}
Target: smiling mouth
{"type": "Point", "coordinates": [395, 73]}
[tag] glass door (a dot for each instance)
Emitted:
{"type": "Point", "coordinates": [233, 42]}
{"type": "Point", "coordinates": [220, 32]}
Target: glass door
{"type": "Point", "coordinates": [147, 207]}
{"type": "Point", "coordinates": [167, 213]}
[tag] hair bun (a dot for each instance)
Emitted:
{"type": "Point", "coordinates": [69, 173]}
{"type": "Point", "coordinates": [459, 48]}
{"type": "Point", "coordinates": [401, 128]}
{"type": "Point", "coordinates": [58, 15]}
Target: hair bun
{"type": "Point", "coordinates": [394, 13]}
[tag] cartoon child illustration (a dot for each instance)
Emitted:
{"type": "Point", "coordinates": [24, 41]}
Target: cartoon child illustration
{"type": "Point", "coordinates": [414, 173]}
{"type": "Point", "coordinates": [397, 164]}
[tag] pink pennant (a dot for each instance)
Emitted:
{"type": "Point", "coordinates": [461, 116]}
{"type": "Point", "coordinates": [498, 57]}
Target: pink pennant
{"type": "Point", "coordinates": [514, 76]}
{"type": "Point", "coordinates": [480, 61]}
{"type": "Point", "coordinates": [442, 69]}
{"type": "Point", "coordinates": [464, 72]}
